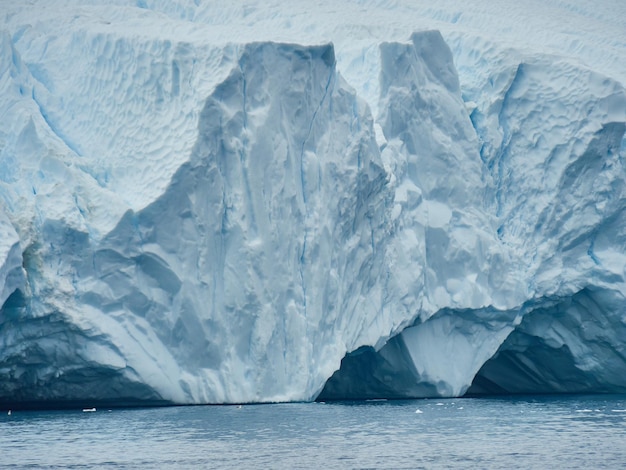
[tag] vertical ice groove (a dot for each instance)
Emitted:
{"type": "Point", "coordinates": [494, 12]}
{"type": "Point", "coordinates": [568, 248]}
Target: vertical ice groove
{"type": "Point", "coordinates": [331, 74]}
{"type": "Point", "coordinates": [303, 260]}
{"type": "Point", "coordinates": [499, 160]}
{"type": "Point", "coordinates": [245, 141]}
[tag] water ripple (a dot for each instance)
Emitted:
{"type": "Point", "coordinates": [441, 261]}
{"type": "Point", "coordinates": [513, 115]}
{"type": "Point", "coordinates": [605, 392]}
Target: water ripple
{"type": "Point", "coordinates": [524, 432]}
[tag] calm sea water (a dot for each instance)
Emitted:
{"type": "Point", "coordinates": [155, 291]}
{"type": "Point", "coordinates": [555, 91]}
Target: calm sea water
{"type": "Point", "coordinates": [527, 432]}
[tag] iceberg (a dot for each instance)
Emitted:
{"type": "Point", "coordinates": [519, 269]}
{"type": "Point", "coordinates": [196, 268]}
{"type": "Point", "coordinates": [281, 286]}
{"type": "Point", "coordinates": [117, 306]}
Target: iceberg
{"type": "Point", "coordinates": [399, 206]}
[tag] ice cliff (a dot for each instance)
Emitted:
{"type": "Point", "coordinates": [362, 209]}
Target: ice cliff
{"type": "Point", "coordinates": [226, 204]}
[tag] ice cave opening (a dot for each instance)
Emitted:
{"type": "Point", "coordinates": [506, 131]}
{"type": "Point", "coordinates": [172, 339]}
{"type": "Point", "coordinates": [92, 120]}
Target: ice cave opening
{"type": "Point", "coordinates": [566, 346]}
{"type": "Point", "coordinates": [368, 374]}
{"type": "Point", "coordinates": [562, 345]}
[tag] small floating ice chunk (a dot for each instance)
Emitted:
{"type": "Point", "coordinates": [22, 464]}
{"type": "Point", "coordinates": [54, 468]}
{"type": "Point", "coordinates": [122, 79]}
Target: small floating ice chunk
{"type": "Point", "coordinates": [418, 411]}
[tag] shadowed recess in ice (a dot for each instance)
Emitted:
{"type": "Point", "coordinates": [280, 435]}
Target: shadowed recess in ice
{"type": "Point", "coordinates": [310, 211]}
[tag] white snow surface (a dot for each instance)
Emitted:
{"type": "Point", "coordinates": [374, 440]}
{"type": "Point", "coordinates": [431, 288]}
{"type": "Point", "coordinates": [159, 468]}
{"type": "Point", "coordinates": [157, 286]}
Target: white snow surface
{"type": "Point", "coordinates": [216, 202]}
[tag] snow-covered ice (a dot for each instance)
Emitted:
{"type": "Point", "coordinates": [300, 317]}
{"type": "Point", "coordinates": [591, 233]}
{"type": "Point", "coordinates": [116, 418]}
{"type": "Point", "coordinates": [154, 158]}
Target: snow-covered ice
{"type": "Point", "coordinates": [231, 202]}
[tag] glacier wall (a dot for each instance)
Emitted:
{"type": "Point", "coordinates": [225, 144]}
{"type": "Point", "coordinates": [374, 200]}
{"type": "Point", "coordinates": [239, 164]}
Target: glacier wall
{"type": "Point", "coordinates": [187, 219]}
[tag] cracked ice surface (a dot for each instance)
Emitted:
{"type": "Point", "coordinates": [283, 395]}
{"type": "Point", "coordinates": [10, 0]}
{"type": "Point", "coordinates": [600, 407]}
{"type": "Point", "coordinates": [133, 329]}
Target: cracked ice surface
{"type": "Point", "coordinates": [219, 203]}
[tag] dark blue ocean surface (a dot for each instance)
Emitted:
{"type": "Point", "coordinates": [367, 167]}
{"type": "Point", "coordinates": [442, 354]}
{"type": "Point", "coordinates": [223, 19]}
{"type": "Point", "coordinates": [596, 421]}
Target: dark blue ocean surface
{"type": "Point", "coordinates": [524, 432]}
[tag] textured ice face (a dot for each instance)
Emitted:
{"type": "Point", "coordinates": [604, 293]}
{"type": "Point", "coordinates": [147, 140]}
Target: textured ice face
{"type": "Point", "coordinates": [234, 283]}
{"type": "Point", "coordinates": [191, 220]}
